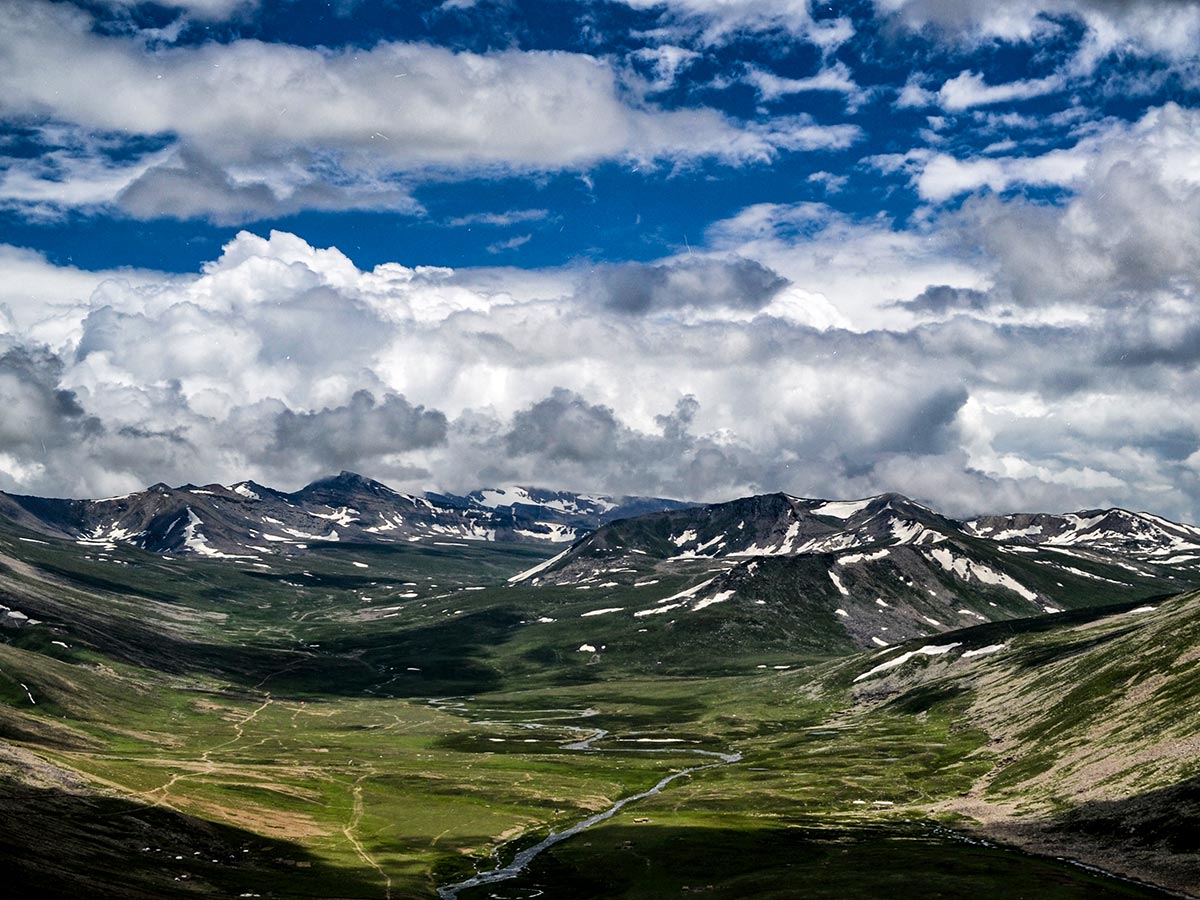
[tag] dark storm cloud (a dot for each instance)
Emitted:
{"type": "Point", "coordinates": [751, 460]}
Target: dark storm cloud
{"type": "Point", "coordinates": [1149, 339]}
{"type": "Point", "coordinates": [191, 186]}
{"type": "Point", "coordinates": [564, 426]}
{"type": "Point", "coordinates": [734, 283]}
{"type": "Point", "coordinates": [569, 440]}
{"type": "Point", "coordinates": [942, 298]}
{"type": "Point", "coordinates": [925, 428]}
{"type": "Point", "coordinates": [363, 429]}
{"type": "Point", "coordinates": [35, 409]}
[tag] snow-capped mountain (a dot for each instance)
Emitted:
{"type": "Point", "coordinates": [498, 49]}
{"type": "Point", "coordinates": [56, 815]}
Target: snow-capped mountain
{"type": "Point", "coordinates": [878, 570]}
{"type": "Point", "coordinates": [249, 520]}
{"type": "Point", "coordinates": [1143, 535]}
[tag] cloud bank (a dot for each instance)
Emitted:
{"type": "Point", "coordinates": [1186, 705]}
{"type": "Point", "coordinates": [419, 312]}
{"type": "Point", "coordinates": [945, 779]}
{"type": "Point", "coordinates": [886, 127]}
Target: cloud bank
{"type": "Point", "coordinates": [1033, 357]}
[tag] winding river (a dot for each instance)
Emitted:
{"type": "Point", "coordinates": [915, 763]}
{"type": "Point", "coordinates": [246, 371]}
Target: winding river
{"type": "Point", "coordinates": [524, 857]}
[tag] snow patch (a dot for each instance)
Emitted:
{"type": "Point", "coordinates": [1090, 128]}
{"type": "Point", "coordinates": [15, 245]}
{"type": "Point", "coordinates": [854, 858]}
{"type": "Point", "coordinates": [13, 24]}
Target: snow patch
{"type": "Point", "coordinates": [720, 597]}
{"type": "Point", "coordinates": [837, 582]}
{"type": "Point", "coordinates": [851, 558]}
{"type": "Point", "coordinates": [969, 569]}
{"type": "Point", "coordinates": [841, 509]}
{"type": "Point", "coordinates": [654, 611]}
{"type": "Point", "coordinates": [984, 651]}
{"type": "Point", "coordinates": [686, 538]}
{"type": "Point", "coordinates": [540, 567]}
{"type": "Point", "coordinates": [928, 650]}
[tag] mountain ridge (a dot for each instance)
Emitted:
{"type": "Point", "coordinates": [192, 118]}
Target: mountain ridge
{"type": "Point", "coordinates": [874, 571]}
{"type": "Point", "coordinates": [249, 520]}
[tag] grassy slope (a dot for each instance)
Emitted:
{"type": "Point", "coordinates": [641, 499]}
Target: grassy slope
{"type": "Point", "coordinates": [1092, 732]}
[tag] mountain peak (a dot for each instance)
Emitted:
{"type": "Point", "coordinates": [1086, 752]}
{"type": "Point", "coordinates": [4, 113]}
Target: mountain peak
{"type": "Point", "coordinates": [346, 480]}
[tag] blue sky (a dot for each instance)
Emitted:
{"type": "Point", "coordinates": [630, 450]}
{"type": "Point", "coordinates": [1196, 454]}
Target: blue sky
{"type": "Point", "coordinates": [934, 246]}
{"type": "Point", "coordinates": [611, 207]}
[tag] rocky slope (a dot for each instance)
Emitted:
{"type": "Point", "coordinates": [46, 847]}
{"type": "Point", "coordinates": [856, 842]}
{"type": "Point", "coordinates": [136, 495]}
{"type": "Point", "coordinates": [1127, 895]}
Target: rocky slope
{"type": "Point", "coordinates": [879, 570]}
{"type": "Point", "coordinates": [1091, 730]}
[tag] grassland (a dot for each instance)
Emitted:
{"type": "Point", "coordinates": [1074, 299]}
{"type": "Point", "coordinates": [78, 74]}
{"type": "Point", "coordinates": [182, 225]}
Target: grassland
{"type": "Point", "coordinates": [219, 729]}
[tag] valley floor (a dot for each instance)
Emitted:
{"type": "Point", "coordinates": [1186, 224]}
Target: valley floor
{"type": "Point", "coordinates": [205, 731]}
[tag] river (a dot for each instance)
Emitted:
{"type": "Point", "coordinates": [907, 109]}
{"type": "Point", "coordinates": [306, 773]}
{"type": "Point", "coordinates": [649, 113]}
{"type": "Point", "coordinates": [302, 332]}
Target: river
{"type": "Point", "coordinates": [524, 857]}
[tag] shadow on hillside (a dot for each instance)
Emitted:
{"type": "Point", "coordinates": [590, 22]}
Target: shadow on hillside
{"type": "Point", "coordinates": [1156, 834]}
{"type": "Point", "coordinates": [451, 654]}
{"type": "Point", "coordinates": [59, 844]}
{"type": "Point", "coordinates": [813, 862]}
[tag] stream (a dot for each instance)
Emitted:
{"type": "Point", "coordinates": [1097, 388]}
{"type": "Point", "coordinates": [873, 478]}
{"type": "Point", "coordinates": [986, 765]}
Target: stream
{"type": "Point", "coordinates": [524, 857]}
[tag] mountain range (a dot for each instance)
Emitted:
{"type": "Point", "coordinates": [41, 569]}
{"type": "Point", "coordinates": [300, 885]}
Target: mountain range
{"type": "Point", "coordinates": [248, 520]}
{"type": "Point", "coordinates": [816, 574]}
{"type": "Point", "coordinates": [874, 571]}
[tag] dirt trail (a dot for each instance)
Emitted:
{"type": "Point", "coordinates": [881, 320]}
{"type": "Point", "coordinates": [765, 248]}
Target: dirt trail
{"type": "Point", "coordinates": [350, 827]}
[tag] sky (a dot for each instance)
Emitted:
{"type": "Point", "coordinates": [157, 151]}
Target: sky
{"type": "Point", "coordinates": [686, 248]}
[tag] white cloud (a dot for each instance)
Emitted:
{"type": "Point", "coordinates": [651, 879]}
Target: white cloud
{"type": "Point", "coordinates": [196, 9]}
{"type": "Point", "coordinates": [943, 176]}
{"type": "Point", "coordinates": [968, 89]}
{"type": "Point", "coordinates": [858, 269]}
{"type": "Point", "coordinates": [914, 94]}
{"type": "Point", "coordinates": [1164, 138]}
{"type": "Point", "coordinates": [836, 78]}
{"type": "Point", "coordinates": [1166, 28]}
{"type": "Point", "coordinates": [263, 128]}
{"type": "Point", "coordinates": [500, 220]}
{"type": "Point", "coordinates": [666, 62]}
{"type": "Point", "coordinates": [451, 379]}
{"type": "Point", "coordinates": [832, 184]}
{"type": "Point", "coordinates": [512, 243]}
{"type": "Point", "coordinates": [717, 21]}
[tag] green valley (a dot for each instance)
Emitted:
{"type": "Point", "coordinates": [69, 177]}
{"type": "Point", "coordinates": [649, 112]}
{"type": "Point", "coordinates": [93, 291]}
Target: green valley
{"type": "Point", "coordinates": [384, 721]}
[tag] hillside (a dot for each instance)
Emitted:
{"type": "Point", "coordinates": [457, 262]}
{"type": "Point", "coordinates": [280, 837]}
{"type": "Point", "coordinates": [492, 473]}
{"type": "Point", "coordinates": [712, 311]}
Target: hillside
{"type": "Point", "coordinates": [1091, 724]}
{"type": "Point", "coordinates": [868, 573]}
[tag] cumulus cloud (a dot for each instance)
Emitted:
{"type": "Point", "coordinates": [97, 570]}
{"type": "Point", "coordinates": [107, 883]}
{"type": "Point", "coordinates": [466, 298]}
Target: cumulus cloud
{"type": "Point", "coordinates": [362, 430]}
{"type": "Point", "coordinates": [832, 184]}
{"type": "Point", "coordinates": [1127, 235]}
{"type": "Point", "coordinates": [836, 78]}
{"type": "Point", "coordinates": [717, 21]}
{"type": "Point", "coordinates": [850, 272]}
{"type": "Point", "coordinates": [35, 405]}
{"type": "Point", "coordinates": [188, 185]}
{"type": "Point", "coordinates": [1169, 28]}
{"type": "Point", "coordinates": [1163, 143]}
{"type": "Point", "coordinates": [256, 128]}
{"type": "Point", "coordinates": [703, 377]}
{"type": "Point", "coordinates": [569, 439]}
{"type": "Point", "coordinates": [697, 282]}
{"type": "Point", "coordinates": [943, 298]}
{"type": "Point", "coordinates": [914, 94]}
{"type": "Point", "coordinates": [564, 426]}
{"type": "Point", "coordinates": [968, 89]}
